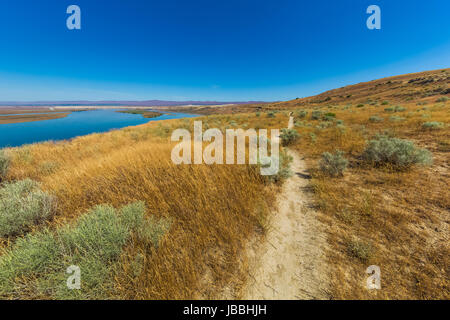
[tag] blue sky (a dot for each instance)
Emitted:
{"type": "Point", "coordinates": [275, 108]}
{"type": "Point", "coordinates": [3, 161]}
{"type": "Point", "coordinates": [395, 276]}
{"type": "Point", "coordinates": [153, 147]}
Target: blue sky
{"type": "Point", "coordinates": [203, 50]}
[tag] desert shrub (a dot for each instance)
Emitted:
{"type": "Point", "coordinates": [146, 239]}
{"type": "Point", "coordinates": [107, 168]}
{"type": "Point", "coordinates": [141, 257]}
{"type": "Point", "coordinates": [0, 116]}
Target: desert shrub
{"type": "Point", "coordinates": [94, 244]}
{"type": "Point", "coordinates": [375, 119]}
{"type": "Point", "coordinates": [23, 205]}
{"type": "Point", "coordinates": [433, 125]}
{"type": "Point", "coordinates": [395, 118]}
{"type": "Point", "coordinates": [339, 122]}
{"type": "Point", "coordinates": [399, 109]}
{"type": "Point", "coordinates": [360, 249]}
{"type": "Point", "coordinates": [284, 171]}
{"type": "Point", "coordinates": [271, 114]}
{"type": "Point", "coordinates": [398, 153]}
{"type": "Point", "coordinates": [333, 164]}
{"type": "Point", "coordinates": [302, 113]}
{"type": "Point", "coordinates": [316, 114]}
{"type": "Point", "coordinates": [360, 105]}
{"type": "Point", "coordinates": [258, 114]}
{"type": "Point", "coordinates": [329, 116]}
{"type": "Point", "coordinates": [5, 161]}
{"type": "Point", "coordinates": [288, 136]}
{"type": "Point", "coordinates": [390, 109]}
{"type": "Point", "coordinates": [384, 103]}
{"type": "Point", "coordinates": [442, 99]}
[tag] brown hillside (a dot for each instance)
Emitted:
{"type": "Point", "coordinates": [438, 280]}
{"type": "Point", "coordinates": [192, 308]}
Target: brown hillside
{"type": "Point", "coordinates": [424, 86]}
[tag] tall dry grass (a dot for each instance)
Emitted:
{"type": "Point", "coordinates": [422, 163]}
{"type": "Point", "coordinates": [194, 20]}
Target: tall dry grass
{"type": "Point", "coordinates": [397, 220]}
{"type": "Point", "coordinates": [213, 209]}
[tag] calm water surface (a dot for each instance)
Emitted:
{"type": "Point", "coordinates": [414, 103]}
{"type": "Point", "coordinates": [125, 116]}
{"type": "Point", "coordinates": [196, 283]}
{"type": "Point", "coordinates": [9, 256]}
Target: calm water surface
{"type": "Point", "coordinates": [75, 124]}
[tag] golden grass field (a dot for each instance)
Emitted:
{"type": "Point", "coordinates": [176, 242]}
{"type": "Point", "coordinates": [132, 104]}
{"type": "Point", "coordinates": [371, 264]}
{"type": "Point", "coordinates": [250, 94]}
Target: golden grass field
{"type": "Point", "coordinates": [401, 217]}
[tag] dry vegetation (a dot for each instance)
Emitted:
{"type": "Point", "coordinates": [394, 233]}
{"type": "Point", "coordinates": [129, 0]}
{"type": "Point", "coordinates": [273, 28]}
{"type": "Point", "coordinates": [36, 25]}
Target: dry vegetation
{"type": "Point", "coordinates": [374, 214]}
{"type": "Point", "coordinates": [30, 117]}
{"type": "Point", "coordinates": [213, 209]}
{"type": "Point", "coordinates": [397, 218]}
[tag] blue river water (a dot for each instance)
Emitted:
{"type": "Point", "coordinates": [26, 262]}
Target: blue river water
{"type": "Point", "coordinates": [75, 124]}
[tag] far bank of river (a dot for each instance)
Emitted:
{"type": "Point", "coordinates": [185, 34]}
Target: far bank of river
{"type": "Point", "coordinates": [73, 125]}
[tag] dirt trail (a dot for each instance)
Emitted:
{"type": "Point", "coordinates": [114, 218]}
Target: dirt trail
{"type": "Point", "coordinates": [290, 264]}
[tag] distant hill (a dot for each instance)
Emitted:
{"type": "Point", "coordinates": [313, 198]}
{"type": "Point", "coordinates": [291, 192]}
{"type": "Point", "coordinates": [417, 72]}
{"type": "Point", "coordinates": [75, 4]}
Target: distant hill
{"type": "Point", "coordinates": [150, 103]}
{"type": "Point", "coordinates": [415, 87]}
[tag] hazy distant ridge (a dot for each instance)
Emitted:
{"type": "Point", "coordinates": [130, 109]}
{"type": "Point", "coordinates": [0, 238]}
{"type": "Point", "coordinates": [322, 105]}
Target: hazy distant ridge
{"type": "Point", "coordinates": [121, 103]}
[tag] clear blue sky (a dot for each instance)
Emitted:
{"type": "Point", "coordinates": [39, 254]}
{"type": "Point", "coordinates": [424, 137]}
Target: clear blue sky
{"type": "Point", "coordinates": [214, 49]}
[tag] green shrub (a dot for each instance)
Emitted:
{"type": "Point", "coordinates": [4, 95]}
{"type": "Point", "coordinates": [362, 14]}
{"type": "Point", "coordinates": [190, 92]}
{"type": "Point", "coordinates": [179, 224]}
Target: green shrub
{"type": "Point", "coordinates": [333, 164]}
{"type": "Point", "coordinates": [399, 109]}
{"type": "Point", "coordinates": [384, 103]}
{"type": "Point", "coordinates": [375, 119]}
{"type": "Point", "coordinates": [390, 109]}
{"type": "Point", "coordinates": [284, 171]}
{"type": "Point", "coordinates": [302, 113]}
{"type": "Point", "coordinates": [395, 118]}
{"type": "Point", "coordinates": [94, 244]}
{"type": "Point", "coordinates": [442, 99]}
{"type": "Point", "coordinates": [4, 164]}
{"type": "Point", "coordinates": [330, 116]}
{"type": "Point", "coordinates": [271, 114]}
{"type": "Point", "coordinates": [23, 205]}
{"type": "Point", "coordinates": [433, 125]}
{"type": "Point", "coordinates": [397, 152]}
{"type": "Point", "coordinates": [316, 114]}
{"type": "Point", "coordinates": [288, 136]}
{"type": "Point", "coordinates": [360, 105]}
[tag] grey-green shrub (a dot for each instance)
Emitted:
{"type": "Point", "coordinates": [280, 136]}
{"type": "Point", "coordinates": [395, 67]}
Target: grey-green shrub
{"type": "Point", "coordinates": [4, 163]}
{"type": "Point", "coordinates": [94, 244]}
{"type": "Point", "coordinates": [397, 152]}
{"type": "Point", "coordinates": [442, 99]}
{"type": "Point", "coordinates": [375, 119]}
{"type": "Point", "coordinates": [360, 249]}
{"type": "Point", "coordinates": [284, 171]}
{"type": "Point", "coordinates": [316, 115]}
{"type": "Point", "coordinates": [289, 136]}
{"type": "Point", "coordinates": [333, 164]}
{"type": "Point", "coordinates": [22, 205]}
{"type": "Point", "coordinates": [271, 114]}
{"type": "Point", "coordinates": [433, 125]}
{"type": "Point", "coordinates": [302, 113]}
{"type": "Point", "coordinates": [395, 118]}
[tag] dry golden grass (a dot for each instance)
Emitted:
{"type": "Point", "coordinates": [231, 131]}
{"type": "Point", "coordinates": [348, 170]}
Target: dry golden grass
{"type": "Point", "coordinates": [213, 209]}
{"type": "Point", "coordinates": [401, 218]}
